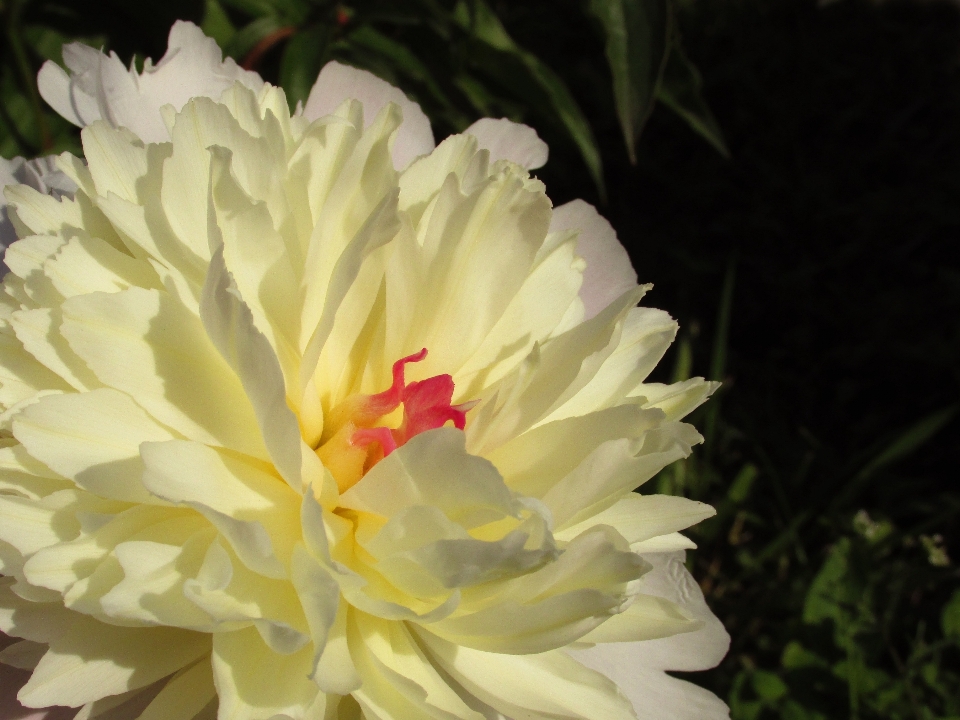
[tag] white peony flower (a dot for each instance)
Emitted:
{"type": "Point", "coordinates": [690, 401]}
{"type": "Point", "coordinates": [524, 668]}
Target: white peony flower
{"type": "Point", "coordinates": [289, 433]}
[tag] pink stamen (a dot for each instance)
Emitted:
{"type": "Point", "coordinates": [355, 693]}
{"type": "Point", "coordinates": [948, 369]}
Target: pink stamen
{"type": "Point", "coordinates": [426, 406]}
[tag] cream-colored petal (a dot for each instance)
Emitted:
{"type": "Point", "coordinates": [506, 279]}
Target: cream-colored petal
{"type": "Point", "coordinates": [399, 680]}
{"type": "Point", "coordinates": [609, 273]}
{"type": "Point", "coordinates": [235, 597]}
{"type": "Point", "coordinates": [615, 468]}
{"type": "Point", "coordinates": [93, 439]}
{"type": "Point", "coordinates": [647, 618]}
{"type": "Point", "coordinates": [22, 376]}
{"type": "Point", "coordinates": [645, 335]}
{"type": "Point", "coordinates": [24, 654]}
{"type": "Point", "coordinates": [38, 330]}
{"type": "Point", "coordinates": [552, 606]}
{"type": "Point", "coordinates": [434, 469]}
{"type": "Point", "coordinates": [255, 683]}
{"type": "Point", "coordinates": [92, 660]}
{"type": "Point", "coordinates": [548, 377]}
{"type": "Point", "coordinates": [539, 687]}
{"type": "Point", "coordinates": [359, 215]}
{"type": "Point", "coordinates": [338, 82]}
{"type": "Point", "coordinates": [152, 589]}
{"type": "Point", "coordinates": [254, 509]}
{"type": "Point", "coordinates": [533, 463]}
{"type": "Point", "coordinates": [145, 344]}
{"type": "Point", "coordinates": [478, 247]}
{"type": "Point", "coordinates": [641, 517]}
{"type": "Point", "coordinates": [677, 400]}
{"type": "Point", "coordinates": [229, 324]}
{"type": "Point", "coordinates": [185, 695]}
{"type": "Point", "coordinates": [507, 140]}
{"type": "Point", "coordinates": [30, 525]}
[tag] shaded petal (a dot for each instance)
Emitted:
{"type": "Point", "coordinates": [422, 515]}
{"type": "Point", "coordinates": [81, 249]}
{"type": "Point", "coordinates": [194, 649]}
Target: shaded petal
{"type": "Point", "coordinates": [92, 660]}
{"type": "Point", "coordinates": [146, 344]}
{"type": "Point", "coordinates": [255, 683]}
{"type": "Point", "coordinates": [399, 680]}
{"type": "Point", "coordinates": [337, 83]}
{"type": "Point", "coordinates": [700, 650]}
{"type": "Point", "coordinates": [100, 87]}
{"type": "Point", "coordinates": [641, 517]}
{"type": "Point", "coordinates": [538, 687]}
{"type": "Point", "coordinates": [92, 438]}
{"type": "Point", "coordinates": [654, 694]}
{"type": "Point", "coordinates": [609, 272]}
{"type": "Point", "coordinates": [507, 140]}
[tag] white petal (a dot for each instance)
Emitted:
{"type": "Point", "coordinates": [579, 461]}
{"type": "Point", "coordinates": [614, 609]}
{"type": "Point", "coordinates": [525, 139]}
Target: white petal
{"type": "Point", "coordinates": [63, 94]}
{"type": "Point", "coordinates": [100, 87]}
{"type": "Point", "coordinates": [337, 83]}
{"type": "Point", "coordinates": [655, 695]}
{"type": "Point", "coordinates": [609, 272]}
{"type": "Point", "coordinates": [507, 140]}
{"type": "Point", "coordinates": [700, 650]}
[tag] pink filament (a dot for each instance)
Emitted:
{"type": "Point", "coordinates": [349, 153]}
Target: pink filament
{"type": "Point", "coordinates": [426, 405]}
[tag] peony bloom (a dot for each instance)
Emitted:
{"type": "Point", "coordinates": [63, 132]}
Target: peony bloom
{"type": "Point", "coordinates": [295, 426]}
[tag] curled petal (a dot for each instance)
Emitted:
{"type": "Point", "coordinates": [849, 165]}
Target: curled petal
{"type": "Point", "coordinates": [609, 272]}
{"type": "Point", "coordinates": [337, 83]}
{"type": "Point", "coordinates": [507, 140]}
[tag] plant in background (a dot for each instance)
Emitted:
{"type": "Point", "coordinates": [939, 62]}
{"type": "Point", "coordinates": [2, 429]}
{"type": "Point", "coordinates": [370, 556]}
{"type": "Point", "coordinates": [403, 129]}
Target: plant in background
{"type": "Point", "coordinates": [456, 59]}
{"type": "Point", "coordinates": [308, 418]}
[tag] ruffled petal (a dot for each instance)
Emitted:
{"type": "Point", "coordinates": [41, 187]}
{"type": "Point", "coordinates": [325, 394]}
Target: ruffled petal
{"type": "Point", "coordinates": [654, 694]}
{"type": "Point", "coordinates": [337, 83]}
{"type": "Point", "coordinates": [507, 140]}
{"type": "Point", "coordinates": [609, 272]}
{"type": "Point", "coordinates": [100, 87]}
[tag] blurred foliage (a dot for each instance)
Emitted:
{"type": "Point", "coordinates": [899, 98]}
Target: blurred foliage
{"type": "Point", "coordinates": [812, 261]}
{"type": "Point", "coordinates": [454, 57]}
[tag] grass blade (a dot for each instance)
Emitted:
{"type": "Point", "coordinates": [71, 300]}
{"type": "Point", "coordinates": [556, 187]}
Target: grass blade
{"type": "Point", "coordinates": [636, 33]}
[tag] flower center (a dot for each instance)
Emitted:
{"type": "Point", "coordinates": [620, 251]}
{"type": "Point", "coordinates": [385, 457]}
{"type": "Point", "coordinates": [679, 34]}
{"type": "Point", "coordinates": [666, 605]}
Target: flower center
{"type": "Point", "coordinates": [353, 441]}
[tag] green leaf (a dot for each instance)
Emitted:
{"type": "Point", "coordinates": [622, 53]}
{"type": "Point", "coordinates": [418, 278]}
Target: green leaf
{"type": "Point", "coordinates": [636, 33]}
{"type": "Point", "coordinates": [303, 57]}
{"type": "Point", "coordinates": [743, 483]}
{"type": "Point", "coordinates": [485, 26]}
{"type": "Point", "coordinates": [768, 685]}
{"type": "Point", "coordinates": [796, 656]}
{"type": "Point", "coordinates": [680, 90]}
{"type": "Point", "coordinates": [950, 619]}
{"type": "Point", "coordinates": [216, 24]}
{"type": "Point", "coordinates": [245, 39]}
{"type": "Point", "coordinates": [400, 57]}
{"type": "Point", "coordinates": [910, 441]}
